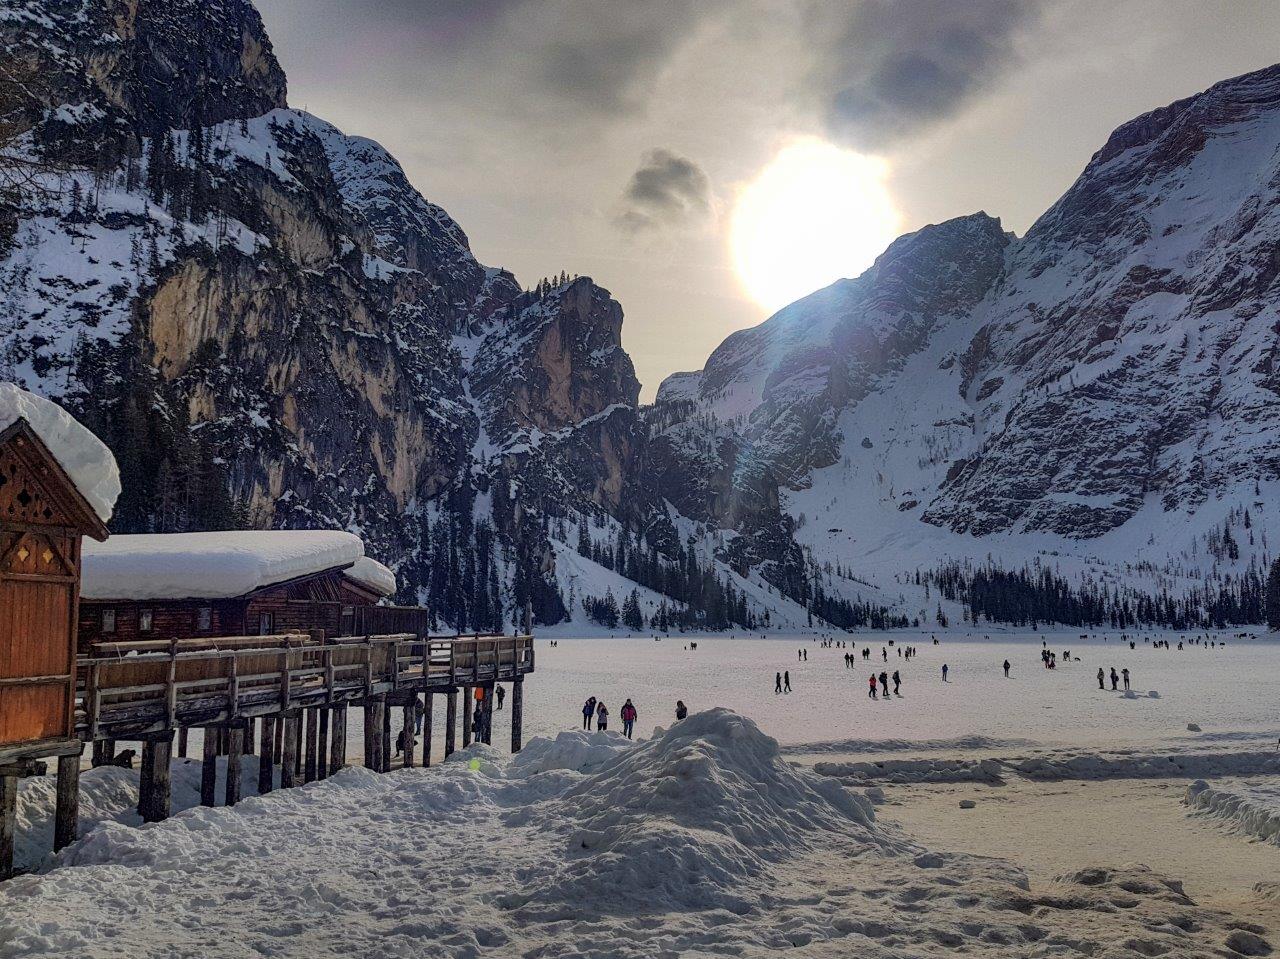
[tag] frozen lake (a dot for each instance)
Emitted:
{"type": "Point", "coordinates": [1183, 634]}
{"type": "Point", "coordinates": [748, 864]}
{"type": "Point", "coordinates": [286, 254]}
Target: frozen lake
{"type": "Point", "coordinates": [1227, 691]}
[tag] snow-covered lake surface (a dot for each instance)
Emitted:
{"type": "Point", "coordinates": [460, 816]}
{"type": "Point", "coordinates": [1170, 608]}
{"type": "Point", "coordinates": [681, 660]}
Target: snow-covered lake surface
{"type": "Point", "coordinates": [708, 839]}
{"type": "Point", "coordinates": [1228, 692]}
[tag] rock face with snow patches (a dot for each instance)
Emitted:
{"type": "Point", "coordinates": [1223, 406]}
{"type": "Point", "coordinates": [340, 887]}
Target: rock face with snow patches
{"type": "Point", "coordinates": [261, 316]}
{"type": "Point", "coordinates": [1109, 378]}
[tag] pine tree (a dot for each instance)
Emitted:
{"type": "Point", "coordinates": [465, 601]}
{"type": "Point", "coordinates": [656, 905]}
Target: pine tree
{"type": "Point", "coordinates": [1272, 601]}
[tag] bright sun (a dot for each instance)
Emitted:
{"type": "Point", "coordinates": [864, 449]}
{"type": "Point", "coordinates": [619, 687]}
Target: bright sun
{"type": "Point", "coordinates": [815, 214]}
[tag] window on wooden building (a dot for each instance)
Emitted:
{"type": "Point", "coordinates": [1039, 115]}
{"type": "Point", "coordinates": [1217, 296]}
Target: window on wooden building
{"type": "Point", "coordinates": [204, 618]}
{"type": "Point", "coordinates": [266, 623]}
{"type": "Point", "coordinates": [145, 618]}
{"type": "Point", "coordinates": [108, 620]}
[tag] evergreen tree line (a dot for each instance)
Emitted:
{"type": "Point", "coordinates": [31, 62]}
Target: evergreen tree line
{"type": "Point", "coordinates": [1028, 597]}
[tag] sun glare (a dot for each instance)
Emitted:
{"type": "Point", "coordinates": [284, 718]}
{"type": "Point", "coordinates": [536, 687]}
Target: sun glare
{"type": "Point", "coordinates": [815, 214]}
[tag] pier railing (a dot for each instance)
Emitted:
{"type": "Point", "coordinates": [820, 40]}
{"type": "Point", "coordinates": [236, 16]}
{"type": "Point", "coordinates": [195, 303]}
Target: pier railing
{"type": "Point", "coordinates": [141, 687]}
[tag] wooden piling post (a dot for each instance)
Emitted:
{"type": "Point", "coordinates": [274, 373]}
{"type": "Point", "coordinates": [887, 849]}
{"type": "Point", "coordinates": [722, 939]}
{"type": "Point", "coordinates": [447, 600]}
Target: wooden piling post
{"type": "Point", "coordinates": [99, 757]}
{"type": "Point", "coordinates": [386, 739]}
{"type": "Point", "coordinates": [249, 741]}
{"type": "Point", "coordinates": [289, 752]}
{"type": "Point", "coordinates": [8, 823]}
{"type": "Point", "coordinates": [322, 746]}
{"type": "Point", "coordinates": [486, 725]}
{"type": "Point", "coordinates": [517, 714]}
{"type": "Point", "coordinates": [468, 703]}
{"type": "Point", "coordinates": [338, 744]}
{"type": "Point", "coordinates": [313, 735]}
{"type": "Point", "coordinates": [154, 785]}
{"type": "Point", "coordinates": [375, 734]}
{"type": "Point", "coordinates": [266, 753]}
{"type": "Point", "coordinates": [209, 769]}
{"type": "Point", "coordinates": [426, 729]}
{"type": "Point", "coordinates": [279, 724]}
{"type": "Point", "coordinates": [410, 733]}
{"type": "Point", "coordinates": [235, 753]}
{"type": "Point", "coordinates": [450, 722]}
{"type": "Point", "coordinates": [182, 743]}
{"type": "Point", "coordinates": [66, 820]}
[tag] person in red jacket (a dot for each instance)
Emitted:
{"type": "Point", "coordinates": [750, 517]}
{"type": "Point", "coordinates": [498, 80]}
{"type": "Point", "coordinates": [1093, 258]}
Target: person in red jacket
{"type": "Point", "coordinates": [628, 718]}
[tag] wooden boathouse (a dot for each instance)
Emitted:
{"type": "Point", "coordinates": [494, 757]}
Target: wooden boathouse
{"type": "Point", "coordinates": [43, 519]}
{"type": "Point", "coordinates": [262, 640]}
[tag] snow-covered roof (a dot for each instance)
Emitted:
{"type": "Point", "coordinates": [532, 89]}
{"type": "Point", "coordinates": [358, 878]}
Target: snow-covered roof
{"type": "Point", "coordinates": [213, 565]}
{"type": "Point", "coordinates": [83, 456]}
{"type": "Point", "coordinates": [369, 572]}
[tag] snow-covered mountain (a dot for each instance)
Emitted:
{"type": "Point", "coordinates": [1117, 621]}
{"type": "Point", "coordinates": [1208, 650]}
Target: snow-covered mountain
{"type": "Point", "coordinates": [1101, 394]}
{"type": "Point", "coordinates": [271, 326]}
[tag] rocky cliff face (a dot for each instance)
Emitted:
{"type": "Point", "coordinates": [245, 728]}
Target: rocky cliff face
{"type": "Point", "coordinates": [1103, 388]}
{"type": "Point", "coordinates": [262, 316]}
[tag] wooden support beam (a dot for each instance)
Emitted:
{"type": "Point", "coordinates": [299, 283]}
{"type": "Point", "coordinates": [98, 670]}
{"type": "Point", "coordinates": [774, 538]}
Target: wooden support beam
{"type": "Point", "coordinates": [517, 715]}
{"type": "Point", "coordinates": [468, 703]}
{"type": "Point", "coordinates": [266, 753]}
{"type": "Point", "coordinates": [154, 801]}
{"type": "Point", "coordinates": [209, 769]}
{"type": "Point", "coordinates": [8, 823]}
{"type": "Point", "coordinates": [279, 721]}
{"type": "Point", "coordinates": [235, 753]}
{"type": "Point", "coordinates": [66, 817]}
{"type": "Point", "coordinates": [249, 740]}
{"type": "Point", "coordinates": [338, 746]}
{"type": "Point", "coordinates": [375, 717]}
{"type": "Point", "coordinates": [289, 752]}
{"type": "Point", "coordinates": [426, 729]}
{"type": "Point", "coordinates": [322, 747]}
{"type": "Point", "coordinates": [385, 767]}
{"type": "Point", "coordinates": [182, 743]}
{"type": "Point", "coordinates": [410, 733]}
{"type": "Point", "coordinates": [309, 763]}
{"type": "Point", "coordinates": [450, 722]}
{"type": "Point", "coordinates": [486, 726]}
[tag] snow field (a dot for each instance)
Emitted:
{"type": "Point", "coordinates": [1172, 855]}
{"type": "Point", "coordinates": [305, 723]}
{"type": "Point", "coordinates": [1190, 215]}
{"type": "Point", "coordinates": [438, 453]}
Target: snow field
{"type": "Point", "coordinates": [699, 841]}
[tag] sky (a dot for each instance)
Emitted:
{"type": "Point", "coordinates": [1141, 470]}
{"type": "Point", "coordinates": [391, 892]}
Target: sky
{"type": "Point", "coordinates": [707, 161]}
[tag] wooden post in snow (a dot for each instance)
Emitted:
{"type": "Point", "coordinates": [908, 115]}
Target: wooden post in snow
{"type": "Point", "coordinates": [209, 768]}
{"type": "Point", "coordinates": [426, 729]}
{"type": "Point", "coordinates": [266, 753]}
{"type": "Point", "coordinates": [154, 785]}
{"type": "Point", "coordinates": [313, 736]}
{"type": "Point", "coordinates": [517, 714]}
{"type": "Point", "coordinates": [289, 752]}
{"type": "Point", "coordinates": [66, 820]}
{"type": "Point", "coordinates": [338, 757]}
{"type": "Point", "coordinates": [8, 823]}
{"type": "Point", "coordinates": [322, 745]}
{"type": "Point", "coordinates": [468, 703]}
{"type": "Point", "coordinates": [235, 753]}
{"type": "Point", "coordinates": [450, 722]}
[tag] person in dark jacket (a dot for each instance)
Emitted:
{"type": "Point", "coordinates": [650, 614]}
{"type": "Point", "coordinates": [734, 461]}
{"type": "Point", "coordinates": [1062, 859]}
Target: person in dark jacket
{"type": "Point", "coordinates": [588, 713]}
{"type": "Point", "coordinates": [602, 717]}
{"type": "Point", "coordinates": [629, 715]}
{"type": "Point", "coordinates": [681, 709]}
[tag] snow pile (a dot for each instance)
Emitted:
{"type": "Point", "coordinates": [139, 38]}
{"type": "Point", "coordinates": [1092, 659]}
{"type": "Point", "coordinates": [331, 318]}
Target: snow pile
{"type": "Point", "coordinates": [1251, 808]}
{"type": "Point", "coordinates": [83, 456]}
{"type": "Point", "coordinates": [210, 565]}
{"type": "Point", "coordinates": [1052, 767]}
{"type": "Point", "coordinates": [989, 771]}
{"type": "Point", "coordinates": [576, 750]}
{"type": "Point", "coordinates": [686, 819]}
{"type": "Point", "coordinates": [373, 574]}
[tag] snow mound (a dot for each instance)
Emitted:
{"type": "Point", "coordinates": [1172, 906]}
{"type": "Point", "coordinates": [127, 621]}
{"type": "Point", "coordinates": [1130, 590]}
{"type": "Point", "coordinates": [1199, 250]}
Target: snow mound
{"type": "Point", "coordinates": [684, 820]}
{"type": "Point", "coordinates": [900, 771]}
{"type": "Point", "coordinates": [576, 750]}
{"type": "Point", "coordinates": [1252, 809]}
{"type": "Point", "coordinates": [210, 565]}
{"type": "Point", "coordinates": [83, 456]}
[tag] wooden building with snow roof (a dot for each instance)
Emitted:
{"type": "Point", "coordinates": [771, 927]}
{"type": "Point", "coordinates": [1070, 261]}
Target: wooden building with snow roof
{"type": "Point", "coordinates": [168, 586]}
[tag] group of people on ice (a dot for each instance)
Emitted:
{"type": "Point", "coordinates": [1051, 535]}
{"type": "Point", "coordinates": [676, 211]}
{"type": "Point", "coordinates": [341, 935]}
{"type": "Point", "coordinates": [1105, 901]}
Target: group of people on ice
{"type": "Point", "coordinates": [883, 680]}
{"type": "Point", "coordinates": [595, 710]}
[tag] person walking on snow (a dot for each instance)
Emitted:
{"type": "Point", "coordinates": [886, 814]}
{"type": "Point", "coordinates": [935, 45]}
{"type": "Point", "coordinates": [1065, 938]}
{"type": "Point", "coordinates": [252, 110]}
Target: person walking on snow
{"type": "Point", "coordinates": [884, 684]}
{"type": "Point", "coordinates": [1006, 669]}
{"type": "Point", "coordinates": [602, 717]}
{"type": "Point", "coordinates": [628, 718]}
{"type": "Point", "coordinates": [777, 683]}
{"type": "Point", "coordinates": [897, 681]}
{"type": "Point", "coordinates": [1102, 679]}
{"type": "Point", "coordinates": [1115, 679]}
{"type": "Point", "coordinates": [1125, 673]}
{"type": "Point", "coordinates": [944, 672]}
{"type": "Point", "coordinates": [501, 694]}
{"type": "Point", "coordinates": [588, 711]}
{"type": "Point", "coordinates": [872, 692]}
{"type": "Point", "coordinates": [786, 681]}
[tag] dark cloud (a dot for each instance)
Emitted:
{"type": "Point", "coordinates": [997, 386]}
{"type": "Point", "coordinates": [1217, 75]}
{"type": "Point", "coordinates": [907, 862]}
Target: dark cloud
{"type": "Point", "coordinates": [665, 190]}
{"type": "Point", "coordinates": [902, 64]}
